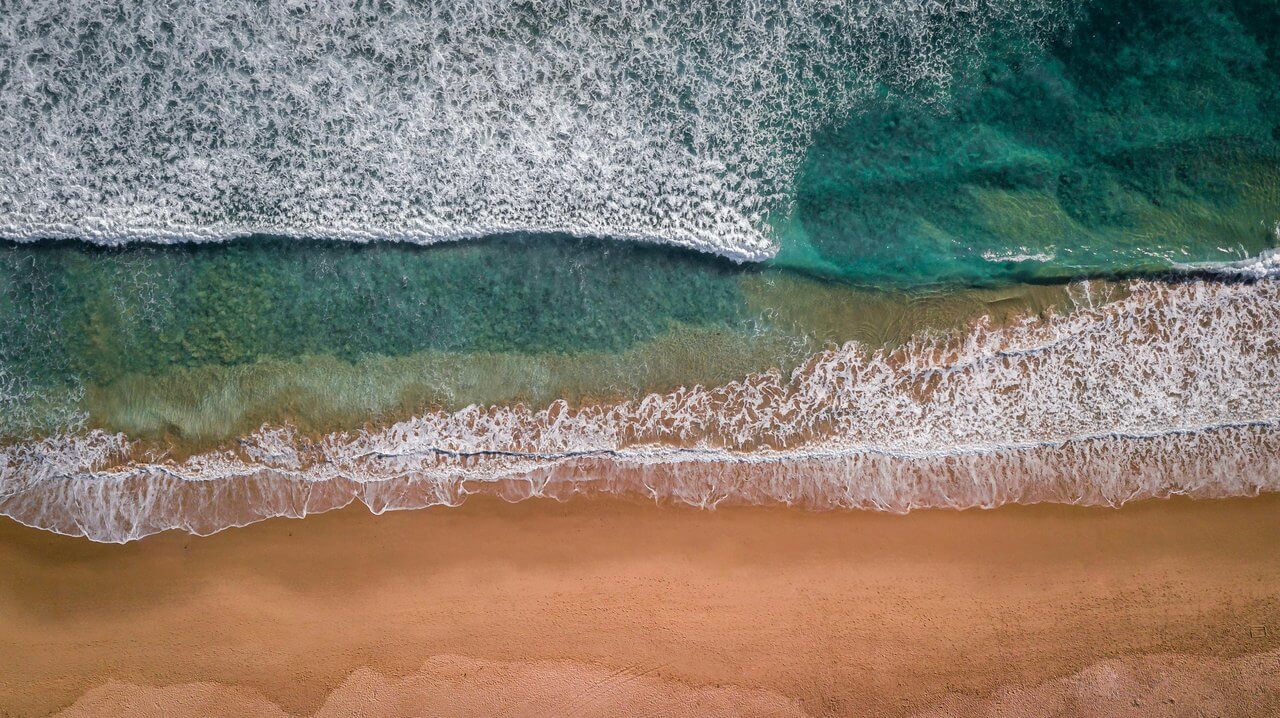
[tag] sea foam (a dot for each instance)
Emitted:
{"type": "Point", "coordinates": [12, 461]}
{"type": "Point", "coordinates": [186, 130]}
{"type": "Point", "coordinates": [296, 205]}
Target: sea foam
{"type": "Point", "coordinates": [680, 122]}
{"type": "Point", "coordinates": [1174, 389]}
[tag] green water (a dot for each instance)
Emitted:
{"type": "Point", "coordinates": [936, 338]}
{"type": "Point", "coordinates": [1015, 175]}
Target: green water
{"type": "Point", "coordinates": [71, 314]}
{"type": "Point", "coordinates": [1146, 137]}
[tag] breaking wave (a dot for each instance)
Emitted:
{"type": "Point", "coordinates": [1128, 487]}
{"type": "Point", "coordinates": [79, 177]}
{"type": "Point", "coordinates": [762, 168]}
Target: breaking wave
{"type": "Point", "coordinates": [680, 122]}
{"type": "Point", "coordinates": [1174, 389]}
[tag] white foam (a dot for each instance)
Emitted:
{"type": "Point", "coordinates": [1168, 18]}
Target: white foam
{"type": "Point", "coordinates": [1266, 264]}
{"type": "Point", "coordinates": [1024, 255]}
{"type": "Point", "coordinates": [1174, 389]}
{"type": "Point", "coordinates": [676, 121]}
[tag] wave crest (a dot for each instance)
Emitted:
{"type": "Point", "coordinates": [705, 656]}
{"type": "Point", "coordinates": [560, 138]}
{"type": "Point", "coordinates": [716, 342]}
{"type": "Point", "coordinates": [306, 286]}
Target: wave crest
{"type": "Point", "coordinates": [680, 122]}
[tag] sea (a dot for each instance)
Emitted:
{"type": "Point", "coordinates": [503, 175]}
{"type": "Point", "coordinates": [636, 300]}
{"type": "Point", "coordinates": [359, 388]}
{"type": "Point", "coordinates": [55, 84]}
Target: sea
{"type": "Point", "coordinates": [267, 259]}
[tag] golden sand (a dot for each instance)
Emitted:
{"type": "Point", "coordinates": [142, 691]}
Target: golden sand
{"type": "Point", "coordinates": [601, 607]}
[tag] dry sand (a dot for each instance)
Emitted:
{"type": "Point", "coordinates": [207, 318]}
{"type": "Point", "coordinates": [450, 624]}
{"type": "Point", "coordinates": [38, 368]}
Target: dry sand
{"type": "Point", "coordinates": [604, 607]}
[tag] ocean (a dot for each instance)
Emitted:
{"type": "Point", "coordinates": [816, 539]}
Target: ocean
{"type": "Point", "coordinates": [262, 259]}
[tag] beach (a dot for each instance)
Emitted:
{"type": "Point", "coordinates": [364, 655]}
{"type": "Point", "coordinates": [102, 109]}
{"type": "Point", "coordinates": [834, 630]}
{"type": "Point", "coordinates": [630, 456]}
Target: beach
{"type": "Point", "coordinates": [600, 606]}
{"type": "Point", "coordinates": [828, 358]}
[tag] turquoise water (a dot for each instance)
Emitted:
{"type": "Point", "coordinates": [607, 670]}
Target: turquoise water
{"type": "Point", "coordinates": [148, 308]}
{"type": "Point", "coordinates": [1138, 139]}
{"type": "Point", "coordinates": [74, 315]}
{"type": "Point", "coordinates": [1146, 137]}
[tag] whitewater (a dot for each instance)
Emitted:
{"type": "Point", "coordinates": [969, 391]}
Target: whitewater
{"type": "Point", "coordinates": [1173, 389]}
{"type": "Point", "coordinates": [676, 122]}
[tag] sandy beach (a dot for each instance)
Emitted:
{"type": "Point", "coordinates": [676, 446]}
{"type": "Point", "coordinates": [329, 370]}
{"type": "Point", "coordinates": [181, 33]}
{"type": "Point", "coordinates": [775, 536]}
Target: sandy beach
{"type": "Point", "coordinates": [600, 607]}
{"type": "Point", "coordinates": [612, 359]}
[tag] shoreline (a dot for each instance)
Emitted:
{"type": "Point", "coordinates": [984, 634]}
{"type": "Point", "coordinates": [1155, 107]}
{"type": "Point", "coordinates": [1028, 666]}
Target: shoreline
{"type": "Point", "coordinates": [1217, 462]}
{"type": "Point", "coordinates": [1101, 406]}
{"type": "Point", "coordinates": [744, 608]}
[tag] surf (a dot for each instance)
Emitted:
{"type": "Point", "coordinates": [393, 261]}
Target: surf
{"type": "Point", "coordinates": [1170, 390]}
{"type": "Point", "coordinates": [680, 123]}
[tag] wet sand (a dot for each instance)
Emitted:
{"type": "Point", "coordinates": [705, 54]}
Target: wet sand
{"type": "Point", "coordinates": [602, 607]}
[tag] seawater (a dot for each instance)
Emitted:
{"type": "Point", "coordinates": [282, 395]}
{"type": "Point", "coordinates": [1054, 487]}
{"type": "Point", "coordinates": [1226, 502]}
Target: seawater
{"type": "Point", "coordinates": [676, 121]}
{"type": "Point", "coordinates": [1171, 390]}
{"type": "Point", "coordinates": [830, 197]}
